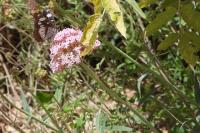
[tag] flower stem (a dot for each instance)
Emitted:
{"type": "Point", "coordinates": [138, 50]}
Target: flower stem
{"type": "Point", "coordinates": [114, 95]}
{"type": "Point", "coordinates": [155, 74]}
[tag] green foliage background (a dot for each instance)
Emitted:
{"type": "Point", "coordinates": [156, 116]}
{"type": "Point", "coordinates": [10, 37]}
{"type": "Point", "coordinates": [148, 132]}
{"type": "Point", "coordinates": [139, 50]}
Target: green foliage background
{"type": "Point", "coordinates": [144, 77]}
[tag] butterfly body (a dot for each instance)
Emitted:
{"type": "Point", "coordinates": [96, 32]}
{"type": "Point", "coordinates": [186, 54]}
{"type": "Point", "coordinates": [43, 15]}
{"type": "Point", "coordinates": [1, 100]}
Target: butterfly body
{"type": "Point", "coordinates": [44, 25]}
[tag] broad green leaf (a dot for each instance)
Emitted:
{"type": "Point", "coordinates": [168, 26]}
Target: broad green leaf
{"type": "Point", "coordinates": [187, 51]}
{"type": "Point", "coordinates": [194, 38]}
{"type": "Point", "coordinates": [90, 33]}
{"type": "Point", "coordinates": [119, 129]}
{"type": "Point", "coordinates": [137, 8]}
{"type": "Point", "coordinates": [113, 9]}
{"type": "Point", "coordinates": [146, 3]}
{"type": "Point", "coordinates": [191, 16]}
{"type": "Point", "coordinates": [97, 6]}
{"type": "Point", "coordinates": [168, 3]}
{"type": "Point", "coordinates": [160, 20]}
{"type": "Point", "coordinates": [170, 40]}
{"type": "Point", "coordinates": [174, 3]}
{"type": "Point", "coordinates": [178, 130]}
{"type": "Point", "coordinates": [44, 97]}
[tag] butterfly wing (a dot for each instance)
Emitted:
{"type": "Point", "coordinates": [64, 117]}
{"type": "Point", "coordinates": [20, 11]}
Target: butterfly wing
{"type": "Point", "coordinates": [51, 31]}
{"type": "Point", "coordinates": [44, 25]}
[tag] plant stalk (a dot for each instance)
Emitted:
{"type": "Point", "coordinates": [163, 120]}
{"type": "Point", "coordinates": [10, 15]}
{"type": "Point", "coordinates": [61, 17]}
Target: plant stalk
{"type": "Point", "coordinates": [115, 96]}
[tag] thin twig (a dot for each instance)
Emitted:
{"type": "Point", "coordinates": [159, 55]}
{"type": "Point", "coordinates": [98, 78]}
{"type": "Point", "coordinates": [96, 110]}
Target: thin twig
{"type": "Point", "coordinates": [10, 122]}
{"type": "Point", "coordinates": [8, 43]}
{"type": "Point", "coordinates": [10, 80]}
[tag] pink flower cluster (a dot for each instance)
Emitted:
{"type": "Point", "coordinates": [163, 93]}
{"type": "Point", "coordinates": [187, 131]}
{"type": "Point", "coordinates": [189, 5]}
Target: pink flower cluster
{"type": "Point", "coordinates": [66, 49]}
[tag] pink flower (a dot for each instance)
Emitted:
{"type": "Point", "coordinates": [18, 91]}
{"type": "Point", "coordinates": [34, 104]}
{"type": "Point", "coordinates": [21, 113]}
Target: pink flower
{"type": "Point", "coordinates": [66, 49]}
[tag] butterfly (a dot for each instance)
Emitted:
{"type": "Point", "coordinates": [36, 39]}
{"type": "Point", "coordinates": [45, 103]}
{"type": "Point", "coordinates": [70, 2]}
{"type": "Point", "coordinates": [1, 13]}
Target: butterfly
{"type": "Point", "coordinates": [44, 25]}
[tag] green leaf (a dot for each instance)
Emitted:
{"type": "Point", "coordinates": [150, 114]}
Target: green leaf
{"type": "Point", "coordinates": [97, 6]}
{"type": "Point", "coordinates": [113, 9]}
{"type": "Point", "coordinates": [191, 16]}
{"type": "Point", "coordinates": [44, 97]}
{"type": "Point", "coordinates": [119, 129]}
{"type": "Point", "coordinates": [139, 82]}
{"type": "Point", "coordinates": [170, 40]}
{"type": "Point", "coordinates": [24, 103]}
{"type": "Point", "coordinates": [137, 119]}
{"type": "Point", "coordinates": [58, 94]}
{"type": "Point", "coordinates": [100, 122]}
{"type": "Point", "coordinates": [79, 121]}
{"type": "Point", "coordinates": [168, 3]}
{"type": "Point", "coordinates": [197, 90]}
{"type": "Point", "coordinates": [187, 51]}
{"type": "Point", "coordinates": [136, 7]}
{"type": "Point", "coordinates": [194, 38]}
{"type": "Point", "coordinates": [90, 33]}
{"type": "Point", "coordinates": [68, 108]}
{"type": "Point", "coordinates": [146, 3]}
{"type": "Point", "coordinates": [160, 20]}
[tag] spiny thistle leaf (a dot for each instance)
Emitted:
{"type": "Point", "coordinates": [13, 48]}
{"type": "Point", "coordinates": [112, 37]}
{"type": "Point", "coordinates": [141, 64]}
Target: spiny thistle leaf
{"type": "Point", "coordinates": [170, 40]}
{"type": "Point", "coordinates": [191, 17]}
{"type": "Point", "coordinates": [113, 9]}
{"type": "Point", "coordinates": [90, 31]}
{"type": "Point", "coordinates": [160, 20]}
{"type": "Point", "coordinates": [136, 7]}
